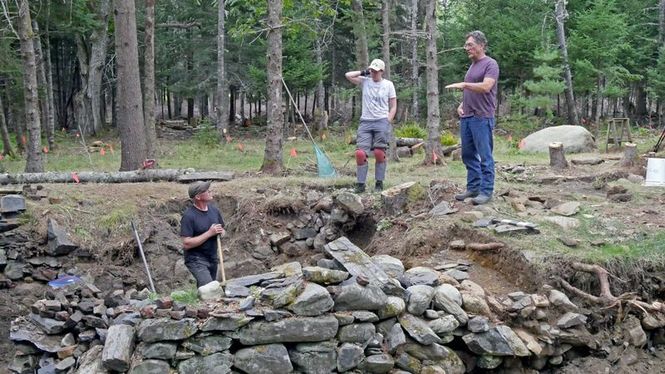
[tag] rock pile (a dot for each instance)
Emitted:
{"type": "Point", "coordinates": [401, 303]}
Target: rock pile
{"type": "Point", "coordinates": [351, 313]}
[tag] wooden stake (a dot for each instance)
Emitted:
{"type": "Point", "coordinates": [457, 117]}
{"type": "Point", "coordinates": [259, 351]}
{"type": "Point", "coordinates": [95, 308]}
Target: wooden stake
{"type": "Point", "coordinates": [220, 254]}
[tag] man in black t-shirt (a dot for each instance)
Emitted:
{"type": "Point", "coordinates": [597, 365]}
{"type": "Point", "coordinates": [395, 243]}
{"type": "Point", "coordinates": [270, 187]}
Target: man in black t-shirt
{"type": "Point", "coordinates": [199, 227]}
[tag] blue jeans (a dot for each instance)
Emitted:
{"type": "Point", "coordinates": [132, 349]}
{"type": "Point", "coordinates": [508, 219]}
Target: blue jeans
{"type": "Point", "coordinates": [477, 147]}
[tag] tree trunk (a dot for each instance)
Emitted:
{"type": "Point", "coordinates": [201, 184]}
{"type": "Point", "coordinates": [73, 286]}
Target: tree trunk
{"type": "Point", "coordinates": [385, 55]}
{"type": "Point", "coordinates": [360, 32]}
{"type": "Point", "coordinates": [149, 80]}
{"type": "Point", "coordinates": [130, 103]}
{"type": "Point", "coordinates": [433, 143]}
{"type": "Point", "coordinates": [661, 23]}
{"type": "Point", "coordinates": [641, 100]}
{"type": "Point", "coordinates": [320, 114]}
{"type": "Point", "coordinates": [82, 104]}
{"type": "Point", "coordinates": [599, 102]}
{"type": "Point", "coordinates": [99, 41]}
{"type": "Point", "coordinates": [50, 124]}
{"type": "Point", "coordinates": [385, 47]}
{"type": "Point", "coordinates": [629, 155]}
{"type": "Point", "coordinates": [558, 156]}
{"type": "Point", "coordinates": [222, 95]}
{"type": "Point", "coordinates": [272, 158]}
{"type": "Point", "coordinates": [415, 79]}
{"type": "Point", "coordinates": [6, 144]}
{"type": "Point", "coordinates": [41, 77]}
{"type": "Point", "coordinates": [561, 14]}
{"type": "Point", "coordinates": [133, 176]}
{"type": "Point", "coordinates": [34, 162]}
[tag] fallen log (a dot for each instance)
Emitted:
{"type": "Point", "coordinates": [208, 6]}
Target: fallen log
{"type": "Point", "coordinates": [401, 142]}
{"type": "Point", "coordinates": [484, 246]}
{"type": "Point", "coordinates": [134, 176]}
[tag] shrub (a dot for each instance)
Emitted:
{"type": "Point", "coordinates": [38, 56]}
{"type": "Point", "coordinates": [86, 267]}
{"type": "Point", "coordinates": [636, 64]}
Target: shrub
{"type": "Point", "coordinates": [206, 134]}
{"type": "Point", "coordinates": [448, 139]}
{"type": "Point", "coordinates": [411, 130]}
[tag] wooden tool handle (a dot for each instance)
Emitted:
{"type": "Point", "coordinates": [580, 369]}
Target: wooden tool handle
{"type": "Point", "coordinates": [220, 254]}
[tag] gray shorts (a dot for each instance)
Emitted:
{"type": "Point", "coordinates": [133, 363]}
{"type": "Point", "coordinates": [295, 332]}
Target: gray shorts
{"type": "Point", "coordinates": [204, 270]}
{"type": "Point", "coordinates": [373, 134]}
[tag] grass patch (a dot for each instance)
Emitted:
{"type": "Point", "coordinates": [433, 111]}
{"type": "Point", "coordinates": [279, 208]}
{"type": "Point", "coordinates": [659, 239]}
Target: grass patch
{"type": "Point", "coordinates": [650, 249]}
{"type": "Point", "coordinates": [188, 296]}
{"type": "Point", "coordinates": [118, 218]}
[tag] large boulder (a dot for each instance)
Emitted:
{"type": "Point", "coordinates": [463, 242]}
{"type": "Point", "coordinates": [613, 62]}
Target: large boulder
{"type": "Point", "coordinates": [575, 139]}
{"type": "Point", "coordinates": [290, 330]}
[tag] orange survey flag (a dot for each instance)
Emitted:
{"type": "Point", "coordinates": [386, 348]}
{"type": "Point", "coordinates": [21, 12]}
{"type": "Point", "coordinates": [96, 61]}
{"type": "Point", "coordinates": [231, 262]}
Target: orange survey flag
{"type": "Point", "coordinates": [434, 157]}
{"type": "Point", "coordinates": [241, 147]}
{"type": "Point", "coordinates": [75, 177]}
{"type": "Point", "coordinates": [294, 153]}
{"type": "Point", "coordinates": [23, 140]}
{"type": "Point", "coordinates": [2, 157]}
{"type": "Point", "coordinates": [45, 149]}
{"type": "Point", "coordinates": [111, 149]}
{"type": "Point", "coordinates": [102, 151]}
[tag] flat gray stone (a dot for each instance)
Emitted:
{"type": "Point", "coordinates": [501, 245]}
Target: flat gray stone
{"type": "Point", "coordinates": [159, 350]}
{"type": "Point", "coordinates": [420, 298]}
{"type": "Point", "coordinates": [226, 322]}
{"type": "Point", "coordinates": [356, 333]}
{"type": "Point", "coordinates": [498, 341]}
{"type": "Point", "coordinates": [358, 263]}
{"type": "Point", "coordinates": [350, 202]}
{"type": "Point", "coordinates": [420, 275]}
{"type": "Point", "coordinates": [442, 209]}
{"type": "Point", "coordinates": [59, 240]}
{"type": "Point", "coordinates": [263, 359]}
{"type": "Point", "coordinates": [118, 347]}
{"type": "Point", "coordinates": [313, 301]}
{"type": "Point", "coordinates": [314, 358]}
{"type": "Point", "coordinates": [389, 264]}
{"type": "Point", "coordinates": [396, 338]}
{"type": "Point", "coordinates": [566, 209]}
{"type": "Point", "coordinates": [289, 330]}
{"type": "Point", "coordinates": [571, 319]}
{"type": "Point", "coordinates": [324, 276]}
{"type": "Point", "coordinates": [418, 329]}
{"type": "Point", "coordinates": [393, 307]}
{"type": "Point", "coordinates": [349, 356]}
{"type": "Point", "coordinates": [12, 204]}
{"type": "Point", "coordinates": [215, 363]}
{"type": "Point", "coordinates": [206, 345]}
{"type": "Point", "coordinates": [442, 302]}
{"type": "Point", "coordinates": [439, 355]}
{"type": "Point", "coordinates": [444, 325]}
{"type": "Point", "coordinates": [380, 363]}
{"type": "Point", "coordinates": [153, 330]}
{"type": "Point", "coordinates": [251, 280]}
{"type": "Point", "coordinates": [357, 297]}
{"type": "Point", "coordinates": [150, 367]}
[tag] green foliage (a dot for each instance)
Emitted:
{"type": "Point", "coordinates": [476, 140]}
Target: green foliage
{"type": "Point", "coordinates": [411, 130]}
{"type": "Point", "coordinates": [118, 217]}
{"type": "Point", "coordinates": [448, 139]}
{"type": "Point", "coordinates": [656, 76]}
{"type": "Point", "coordinates": [206, 134]}
{"type": "Point", "coordinates": [547, 82]}
{"type": "Point", "coordinates": [189, 296]}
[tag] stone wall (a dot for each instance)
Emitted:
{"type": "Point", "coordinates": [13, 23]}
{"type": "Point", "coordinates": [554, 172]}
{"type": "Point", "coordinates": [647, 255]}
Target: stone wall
{"type": "Point", "coordinates": [352, 313]}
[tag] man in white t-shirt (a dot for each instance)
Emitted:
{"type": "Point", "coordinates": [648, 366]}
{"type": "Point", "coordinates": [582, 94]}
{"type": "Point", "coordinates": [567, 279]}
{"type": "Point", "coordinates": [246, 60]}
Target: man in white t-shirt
{"type": "Point", "coordinates": [378, 110]}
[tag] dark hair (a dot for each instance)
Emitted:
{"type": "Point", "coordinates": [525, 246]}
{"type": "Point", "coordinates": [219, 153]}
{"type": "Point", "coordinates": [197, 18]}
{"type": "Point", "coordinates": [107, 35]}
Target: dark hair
{"type": "Point", "coordinates": [478, 36]}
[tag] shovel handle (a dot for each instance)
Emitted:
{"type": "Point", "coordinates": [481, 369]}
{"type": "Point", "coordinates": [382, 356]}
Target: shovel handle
{"type": "Point", "coordinates": [220, 254]}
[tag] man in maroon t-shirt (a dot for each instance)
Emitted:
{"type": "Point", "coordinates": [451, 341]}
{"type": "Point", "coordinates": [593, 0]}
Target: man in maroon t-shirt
{"type": "Point", "coordinates": [476, 113]}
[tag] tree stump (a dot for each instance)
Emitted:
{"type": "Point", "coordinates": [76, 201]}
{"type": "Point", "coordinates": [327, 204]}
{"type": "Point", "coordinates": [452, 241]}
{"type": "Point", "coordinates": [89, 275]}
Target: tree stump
{"type": "Point", "coordinates": [629, 155]}
{"type": "Point", "coordinates": [396, 199]}
{"type": "Point", "coordinates": [558, 156]}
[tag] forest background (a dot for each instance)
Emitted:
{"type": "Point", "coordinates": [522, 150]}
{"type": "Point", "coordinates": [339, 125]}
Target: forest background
{"type": "Point", "coordinates": [92, 67]}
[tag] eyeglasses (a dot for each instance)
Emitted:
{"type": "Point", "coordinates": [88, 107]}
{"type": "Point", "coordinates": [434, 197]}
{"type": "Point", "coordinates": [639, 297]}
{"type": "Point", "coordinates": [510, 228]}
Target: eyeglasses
{"type": "Point", "coordinates": [469, 45]}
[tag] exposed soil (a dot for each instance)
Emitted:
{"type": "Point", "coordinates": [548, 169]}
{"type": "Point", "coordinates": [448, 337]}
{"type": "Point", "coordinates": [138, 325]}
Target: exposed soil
{"type": "Point", "coordinates": [99, 217]}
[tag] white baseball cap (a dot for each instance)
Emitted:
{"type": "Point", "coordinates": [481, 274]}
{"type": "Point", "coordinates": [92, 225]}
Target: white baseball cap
{"type": "Point", "coordinates": [377, 65]}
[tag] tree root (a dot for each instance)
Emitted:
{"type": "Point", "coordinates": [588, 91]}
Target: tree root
{"type": "Point", "coordinates": [606, 299]}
